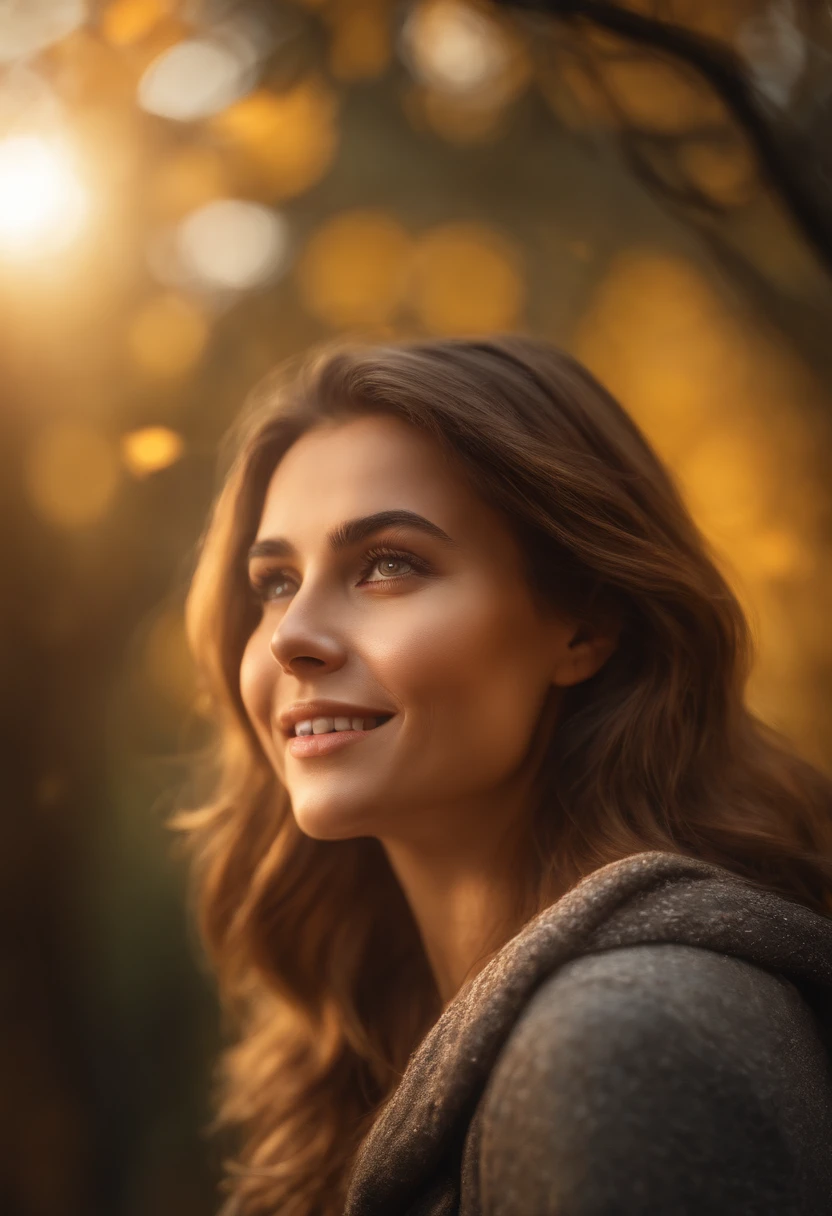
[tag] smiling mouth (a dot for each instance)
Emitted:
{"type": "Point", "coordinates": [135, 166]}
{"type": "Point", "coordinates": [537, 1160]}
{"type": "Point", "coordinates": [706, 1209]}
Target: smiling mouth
{"type": "Point", "coordinates": [375, 723]}
{"type": "Point", "coordinates": [310, 746]}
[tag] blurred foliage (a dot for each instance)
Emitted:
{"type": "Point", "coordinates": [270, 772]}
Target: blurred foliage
{"type": "Point", "coordinates": [191, 190]}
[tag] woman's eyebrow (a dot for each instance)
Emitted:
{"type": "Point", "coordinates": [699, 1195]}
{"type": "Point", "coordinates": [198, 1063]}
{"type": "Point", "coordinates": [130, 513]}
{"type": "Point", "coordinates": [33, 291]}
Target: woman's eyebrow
{"type": "Point", "coordinates": [352, 531]}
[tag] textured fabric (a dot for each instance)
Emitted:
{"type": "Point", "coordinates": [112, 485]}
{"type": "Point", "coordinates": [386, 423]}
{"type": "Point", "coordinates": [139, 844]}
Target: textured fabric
{"type": "Point", "coordinates": [658, 1040]}
{"type": "Point", "coordinates": [691, 1077]}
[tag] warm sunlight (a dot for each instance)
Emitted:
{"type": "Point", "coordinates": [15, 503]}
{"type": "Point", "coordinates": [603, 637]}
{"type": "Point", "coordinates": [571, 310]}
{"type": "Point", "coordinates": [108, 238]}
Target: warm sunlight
{"type": "Point", "coordinates": [42, 200]}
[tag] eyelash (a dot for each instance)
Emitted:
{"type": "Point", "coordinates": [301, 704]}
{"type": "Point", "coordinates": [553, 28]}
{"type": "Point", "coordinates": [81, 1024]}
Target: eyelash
{"type": "Point", "coordinates": [261, 583]}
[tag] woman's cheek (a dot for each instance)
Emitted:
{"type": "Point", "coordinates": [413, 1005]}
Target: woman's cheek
{"type": "Point", "coordinates": [439, 659]}
{"type": "Point", "coordinates": [449, 628]}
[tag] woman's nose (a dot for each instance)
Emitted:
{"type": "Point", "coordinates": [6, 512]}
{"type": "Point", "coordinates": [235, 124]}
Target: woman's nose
{"type": "Point", "coordinates": [299, 641]}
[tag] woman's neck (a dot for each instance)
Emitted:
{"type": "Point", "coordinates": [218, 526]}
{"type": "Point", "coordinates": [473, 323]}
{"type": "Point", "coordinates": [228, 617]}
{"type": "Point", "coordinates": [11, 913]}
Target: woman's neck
{"type": "Point", "coordinates": [468, 895]}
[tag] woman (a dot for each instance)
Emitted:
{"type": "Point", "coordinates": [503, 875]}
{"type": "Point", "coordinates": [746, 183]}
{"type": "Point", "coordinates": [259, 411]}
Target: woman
{"type": "Point", "coordinates": [517, 908]}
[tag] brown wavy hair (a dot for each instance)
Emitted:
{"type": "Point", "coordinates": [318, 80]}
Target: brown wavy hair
{"type": "Point", "coordinates": [320, 966]}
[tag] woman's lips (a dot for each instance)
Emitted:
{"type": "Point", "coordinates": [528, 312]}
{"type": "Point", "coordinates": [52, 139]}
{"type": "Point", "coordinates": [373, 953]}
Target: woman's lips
{"type": "Point", "coordinates": [306, 746]}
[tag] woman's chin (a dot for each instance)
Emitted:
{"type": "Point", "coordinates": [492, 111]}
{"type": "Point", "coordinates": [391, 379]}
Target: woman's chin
{"type": "Point", "coordinates": [333, 823]}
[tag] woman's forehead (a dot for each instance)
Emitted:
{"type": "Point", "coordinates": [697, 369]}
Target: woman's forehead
{"type": "Point", "coordinates": [369, 464]}
{"type": "Point", "coordinates": [366, 464]}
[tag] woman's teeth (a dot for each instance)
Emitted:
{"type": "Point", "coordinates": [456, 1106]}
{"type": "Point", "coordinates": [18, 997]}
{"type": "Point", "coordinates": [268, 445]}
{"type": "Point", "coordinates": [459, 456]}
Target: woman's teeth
{"type": "Point", "coordinates": [323, 726]}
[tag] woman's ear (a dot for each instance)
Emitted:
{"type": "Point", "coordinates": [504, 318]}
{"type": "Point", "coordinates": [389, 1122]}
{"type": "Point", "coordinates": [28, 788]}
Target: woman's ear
{"type": "Point", "coordinates": [584, 652]}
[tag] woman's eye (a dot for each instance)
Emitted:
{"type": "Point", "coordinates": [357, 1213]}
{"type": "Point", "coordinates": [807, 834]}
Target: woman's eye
{"type": "Point", "coordinates": [384, 563]}
{"type": "Point", "coordinates": [263, 586]}
{"type": "Point", "coordinates": [267, 586]}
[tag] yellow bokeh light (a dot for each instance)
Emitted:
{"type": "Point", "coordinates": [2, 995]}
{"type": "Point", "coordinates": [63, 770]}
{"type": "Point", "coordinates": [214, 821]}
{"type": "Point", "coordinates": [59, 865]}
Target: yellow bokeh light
{"type": "Point", "coordinates": [653, 333]}
{"type": "Point", "coordinates": [71, 474]}
{"type": "Point", "coordinates": [468, 62]}
{"type": "Point", "coordinates": [42, 201]}
{"type": "Point", "coordinates": [354, 269]}
{"type": "Point", "coordinates": [167, 336]}
{"type": "Point", "coordinates": [726, 406]}
{"type": "Point", "coordinates": [232, 245]}
{"type": "Point", "coordinates": [464, 48]}
{"type": "Point", "coordinates": [30, 27]}
{"type": "Point", "coordinates": [165, 33]}
{"type": "Point", "coordinates": [125, 22]}
{"type": "Point", "coordinates": [196, 77]}
{"type": "Point", "coordinates": [287, 140]}
{"type": "Point", "coordinates": [778, 553]}
{"type": "Point", "coordinates": [466, 278]}
{"type": "Point", "coordinates": [726, 480]}
{"type": "Point", "coordinates": [151, 448]}
{"type": "Point", "coordinates": [90, 74]}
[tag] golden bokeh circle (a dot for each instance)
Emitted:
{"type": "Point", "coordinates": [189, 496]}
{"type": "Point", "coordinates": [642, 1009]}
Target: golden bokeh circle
{"type": "Point", "coordinates": [467, 277]}
{"type": "Point", "coordinates": [354, 269]}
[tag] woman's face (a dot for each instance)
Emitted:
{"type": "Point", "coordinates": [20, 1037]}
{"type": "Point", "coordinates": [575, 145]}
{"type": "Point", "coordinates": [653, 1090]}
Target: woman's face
{"type": "Point", "coordinates": [439, 629]}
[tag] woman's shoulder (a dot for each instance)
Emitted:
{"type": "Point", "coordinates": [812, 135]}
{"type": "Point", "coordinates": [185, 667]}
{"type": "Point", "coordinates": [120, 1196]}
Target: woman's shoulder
{"type": "Point", "coordinates": [660, 1077]}
{"type": "Point", "coordinates": [649, 987]}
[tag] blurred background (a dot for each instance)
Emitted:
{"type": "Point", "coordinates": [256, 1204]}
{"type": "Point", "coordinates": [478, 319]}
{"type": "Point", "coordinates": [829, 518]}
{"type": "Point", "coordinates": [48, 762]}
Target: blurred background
{"type": "Point", "coordinates": [191, 191]}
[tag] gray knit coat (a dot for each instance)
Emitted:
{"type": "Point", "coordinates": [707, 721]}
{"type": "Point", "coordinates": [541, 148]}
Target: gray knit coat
{"type": "Point", "coordinates": [658, 1041]}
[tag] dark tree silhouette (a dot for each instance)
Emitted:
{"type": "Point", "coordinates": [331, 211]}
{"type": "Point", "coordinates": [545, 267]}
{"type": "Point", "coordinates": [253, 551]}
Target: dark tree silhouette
{"type": "Point", "coordinates": [789, 134]}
